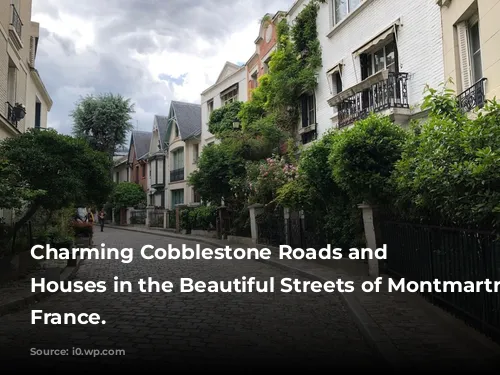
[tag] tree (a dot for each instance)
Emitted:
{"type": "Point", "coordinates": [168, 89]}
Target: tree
{"type": "Point", "coordinates": [66, 169]}
{"type": "Point", "coordinates": [127, 194]}
{"type": "Point", "coordinates": [103, 120]}
{"type": "Point", "coordinates": [14, 190]}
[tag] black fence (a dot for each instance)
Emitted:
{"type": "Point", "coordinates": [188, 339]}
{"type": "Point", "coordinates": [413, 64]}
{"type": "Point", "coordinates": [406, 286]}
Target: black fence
{"type": "Point", "coordinates": [138, 217]}
{"type": "Point", "coordinates": [427, 253]}
{"type": "Point", "coordinates": [271, 227]}
{"type": "Point", "coordinates": [156, 218]}
{"type": "Point", "coordinates": [304, 231]}
{"type": "Point", "coordinates": [172, 219]}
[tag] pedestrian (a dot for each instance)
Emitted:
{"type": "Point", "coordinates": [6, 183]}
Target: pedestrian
{"type": "Point", "coordinates": [101, 219]}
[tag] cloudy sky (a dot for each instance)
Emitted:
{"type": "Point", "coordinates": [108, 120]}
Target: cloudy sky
{"type": "Point", "coordinates": [151, 51]}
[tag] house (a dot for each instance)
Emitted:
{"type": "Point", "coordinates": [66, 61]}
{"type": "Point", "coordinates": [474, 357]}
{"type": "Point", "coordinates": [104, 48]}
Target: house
{"type": "Point", "coordinates": [377, 56]}
{"type": "Point", "coordinates": [471, 48]}
{"type": "Point", "coordinates": [184, 138]}
{"type": "Point", "coordinates": [120, 169]}
{"type": "Point", "coordinates": [265, 45]}
{"type": "Point", "coordinates": [24, 100]}
{"type": "Point", "coordinates": [138, 158]}
{"type": "Point", "coordinates": [158, 163]}
{"type": "Point", "coordinates": [230, 86]}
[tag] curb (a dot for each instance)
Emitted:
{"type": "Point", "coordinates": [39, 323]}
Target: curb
{"type": "Point", "coordinates": [371, 332]}
{"type": "Point", "coordinates": [30, 298]}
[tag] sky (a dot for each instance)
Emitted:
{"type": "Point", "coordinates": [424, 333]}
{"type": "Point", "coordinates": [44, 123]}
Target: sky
{"type": "Point", "coordinates": [151, 51]}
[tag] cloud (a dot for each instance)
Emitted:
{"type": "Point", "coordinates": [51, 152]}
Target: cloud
{"type": "Point", "coordinates": [152, 51]}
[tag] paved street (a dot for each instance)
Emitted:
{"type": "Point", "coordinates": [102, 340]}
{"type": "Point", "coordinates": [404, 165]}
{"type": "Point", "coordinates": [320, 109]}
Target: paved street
{"type": "Point", "coordinates": [278, 328]}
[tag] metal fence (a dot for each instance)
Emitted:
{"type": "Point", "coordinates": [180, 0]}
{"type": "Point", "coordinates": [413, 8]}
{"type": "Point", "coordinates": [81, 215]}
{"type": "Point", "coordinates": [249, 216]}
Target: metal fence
{"type": "Point", "coordinates": [427, 253]}
{"type": "Point", "coordinates": [156, 218]}
{"type": "Point", "coordinates": [271, 227]}
{"type": "Point", "coordinates": [138, 217]}
{"type": "Point", "coordinates": [304, 231]}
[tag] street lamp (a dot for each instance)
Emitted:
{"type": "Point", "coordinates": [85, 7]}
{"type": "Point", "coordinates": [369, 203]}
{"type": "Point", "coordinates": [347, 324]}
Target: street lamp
{"type": "Point", "coordinates": [236, 124]}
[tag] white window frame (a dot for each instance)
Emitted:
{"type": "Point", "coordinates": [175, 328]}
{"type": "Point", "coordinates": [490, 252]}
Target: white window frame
{"type": "Point", "coordinates": [210, 107]}
{"type": "Point", "coordinates": [474, 21]}
{"type": "Point", "coordinates": [349, 11]}
{"type": "Point", "coordinates": [372, 57]}
{"type": "Point", "coordinates": [230, 96]}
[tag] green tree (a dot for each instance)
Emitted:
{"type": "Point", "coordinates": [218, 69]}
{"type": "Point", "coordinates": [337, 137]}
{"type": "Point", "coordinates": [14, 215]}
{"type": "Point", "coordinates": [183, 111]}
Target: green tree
{"type": "Point", "coordinates": [103, 120]}
{"type": "Point", "coordinates": [221, 119]}
{"type": "Point", "coordinates": [14, 189]}
{"type": "Point", "coordinates": [127, 194]}
{"type": "Point", "coordinates": [66, 169]}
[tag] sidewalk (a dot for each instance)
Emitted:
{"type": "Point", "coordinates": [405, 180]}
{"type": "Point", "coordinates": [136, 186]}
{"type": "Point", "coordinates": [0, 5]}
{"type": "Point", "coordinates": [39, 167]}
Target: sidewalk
{"type": "Point", "coordinates": [403, 327]}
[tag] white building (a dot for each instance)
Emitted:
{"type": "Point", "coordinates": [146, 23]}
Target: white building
{"type": "Point", "coordinates": [231, 85]}
{"type": "Point", "coordinates": [377, 55]}
{"type": "Point", "coordinates": [158, 163]}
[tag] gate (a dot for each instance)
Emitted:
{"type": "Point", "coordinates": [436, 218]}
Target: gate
{"type": "Point", "coordinates": [156, 218]}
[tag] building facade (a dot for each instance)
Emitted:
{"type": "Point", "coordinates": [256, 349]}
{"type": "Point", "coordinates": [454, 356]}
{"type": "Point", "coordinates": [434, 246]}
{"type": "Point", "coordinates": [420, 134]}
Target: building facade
{"type": "Point", "coordinates": [471, 48]}
{"type": "Point", "coordinates": [24, 100]}
{"type": "Point", "coordinates": [138, 158]}
{"type": "Point", "coordinates": [157, 161]}
{"type": "Point", "coordinates": [265, 44]}
{"type": "Point", "coordinates": [120, 169]}
{"type": "Point", "coordinates": [378, 56]}
{"type": "Point", "coordinates": [183, 138]}
{"type": "Point", "coordinates": [230, 86]}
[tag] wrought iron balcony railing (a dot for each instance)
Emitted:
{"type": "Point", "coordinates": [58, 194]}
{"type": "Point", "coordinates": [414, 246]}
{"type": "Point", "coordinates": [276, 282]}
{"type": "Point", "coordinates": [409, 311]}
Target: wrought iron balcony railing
{"type": "Point", "coordinates": [473, 97]}
{"type": "Point", "coordinates": [177, 175]}
{"type": "Point", "coordinates": [16, 21]}
{"type": "Point", "coordinates": [11, 114]}
{"type": "Point", "coordinates": [391, 92]}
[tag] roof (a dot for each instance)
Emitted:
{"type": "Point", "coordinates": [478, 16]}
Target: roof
{"type": "Point", "coordinates": [141, 141]}
{"type": "Point", "coordinates": [188, 118]}
{"type": "Point", "coordinates": [162, 122]}
{"type": "Point", "coordinates": [229, 70]}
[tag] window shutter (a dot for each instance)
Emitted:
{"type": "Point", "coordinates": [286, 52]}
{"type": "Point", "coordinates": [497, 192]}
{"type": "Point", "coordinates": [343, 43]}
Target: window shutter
{"type": "Point", "coordinates": [463, 46]}
{"type": "Point", "coordinates": [304, 110]}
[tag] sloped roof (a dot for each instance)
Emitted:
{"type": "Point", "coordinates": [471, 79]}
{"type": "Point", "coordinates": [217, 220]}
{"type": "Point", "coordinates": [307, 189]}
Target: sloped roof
{"type": "Point", "coordinates": [162, 122]}
{"type": "Point", "coordinates": [228, 69]}
{"type": "Point", "coordinates": [141, 141]}
{"type": "Point", "coordinates": [188, 117]}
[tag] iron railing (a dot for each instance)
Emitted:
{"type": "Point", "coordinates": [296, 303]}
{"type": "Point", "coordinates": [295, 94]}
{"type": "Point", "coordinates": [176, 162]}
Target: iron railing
{"type": "Point", "coordinates": [389, 93]}
{"type": "Point", "coordinates": [177, 175]}
{"type": "Point", "coordinates": [138, 217]}
{"type": "Point", "coordinates": [473, 97]}
{"type": "Point", "coordinates": [271, 227]}
{"type": "Point", "coordinates": [156, 218]}
{"type": "Point", "coordinates": [427, 253]}
{"type": "Point", "coordinates": [11, 114]}
{"type": "Point", "coordinates": [16, 21]}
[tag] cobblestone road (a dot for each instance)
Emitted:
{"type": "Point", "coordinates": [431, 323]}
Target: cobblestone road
{"type": "Point", "coordinates": [277, 328]}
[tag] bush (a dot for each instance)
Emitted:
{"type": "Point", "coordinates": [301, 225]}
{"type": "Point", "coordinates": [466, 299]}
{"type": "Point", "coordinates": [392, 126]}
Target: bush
{"type": "Point", "coordinates": [203, 217]}
{"type": "Point", "coordinates": [363, 159]}
{"type": "Point", "coordinates": [450, 168]}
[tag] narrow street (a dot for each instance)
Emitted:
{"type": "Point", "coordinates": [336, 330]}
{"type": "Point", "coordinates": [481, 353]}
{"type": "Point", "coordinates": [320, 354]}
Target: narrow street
{"type": "Point", "coordinates": [230, 328]}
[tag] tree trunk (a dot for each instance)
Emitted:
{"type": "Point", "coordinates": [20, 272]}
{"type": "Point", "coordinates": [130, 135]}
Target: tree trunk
{"type": "Point", "coordinates": [27, 215]}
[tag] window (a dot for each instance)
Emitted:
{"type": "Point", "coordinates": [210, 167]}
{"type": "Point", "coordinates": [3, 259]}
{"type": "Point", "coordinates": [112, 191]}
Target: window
{"type": "Point", "coordinates": [178, 159]}
{"type": "Point", "coordinates": [336, 83]}
{"type": "Point", "coordinates": [137, 174]}
{"type": "Point", "coordinates": [308, 110]}
{"type": "Point", "coordinates": [177, 197]}
{"type": "Point", "coordinates": [229, 96]}
{"type": "Point", "coordinates": [196, 197]}
{"type": "Point", "coordinates": [195, 153]}
{"type": "Point", "coordinates": [38, 114]}
{"type": "Point", "coordinates": [255, 80]}
{"type": "Point", "coordinates": [342, 8]}
{"type": "Point", "coordinates": [308, 137]}
{"type": "Point", "coordinates": [475, 53]}
{"type": "Point", "coordinates": [383, 58]}
{"type": "Point", "coordinates": [210, 107]}
{"type": "Point", "coordinates": [176, 131]}
{"type": "Point", "coordinates": [144, 170]}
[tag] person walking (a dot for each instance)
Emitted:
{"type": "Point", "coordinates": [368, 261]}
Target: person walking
{"type": "Point", "coordinates": [101, 219]}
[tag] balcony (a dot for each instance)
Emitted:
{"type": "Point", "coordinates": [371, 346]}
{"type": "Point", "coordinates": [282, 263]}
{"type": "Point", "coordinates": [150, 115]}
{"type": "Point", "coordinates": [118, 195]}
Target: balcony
{"type": "Point", "coordinates": [177, 175]}
{"type": "Point", "coordinates": [383, 90]}
{"type": "Point", "coordinates": [15, 113]}
{"type": "Point", "coordinates": [473, 97]}
{"type": "Point", "coordinates": [16, 27]}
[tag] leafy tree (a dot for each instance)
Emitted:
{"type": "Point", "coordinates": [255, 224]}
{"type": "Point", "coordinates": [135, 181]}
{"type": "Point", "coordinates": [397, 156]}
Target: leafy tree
{"type": "Point", "coordinates": [127, 194]}
{"type": "Point", "coordinates": [66, 169]}
{"type": "Point", "coordinates": [14, 190]}
{"type": "Point", "coordinates": [363, 159]}
{"type": "Point", "coordinates": [221, 119]}
{"type": "Point", "coordinates": [103, 120]}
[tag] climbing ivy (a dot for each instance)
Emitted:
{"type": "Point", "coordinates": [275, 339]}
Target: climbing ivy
{"type": "Point", "coordinates": [293, 71]}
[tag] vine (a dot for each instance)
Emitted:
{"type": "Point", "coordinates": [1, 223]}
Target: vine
{"type": "Point", "coordinates": [293, 71]}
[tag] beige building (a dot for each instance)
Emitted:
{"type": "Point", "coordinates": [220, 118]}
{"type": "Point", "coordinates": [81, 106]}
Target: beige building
{"type": "Point", "coordinates": [24, 100]}
{"type": "Point", "coordinates": [471, 46]}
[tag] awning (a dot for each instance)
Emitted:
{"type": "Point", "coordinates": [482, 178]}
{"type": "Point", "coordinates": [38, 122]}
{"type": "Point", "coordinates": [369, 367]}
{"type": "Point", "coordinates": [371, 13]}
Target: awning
{"type": "Point", "coordinates": [229, 89]}
{"type": "Point", "coordinates": [379, 40]}
{"type": "Point", "coordinates": [335, 69]}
